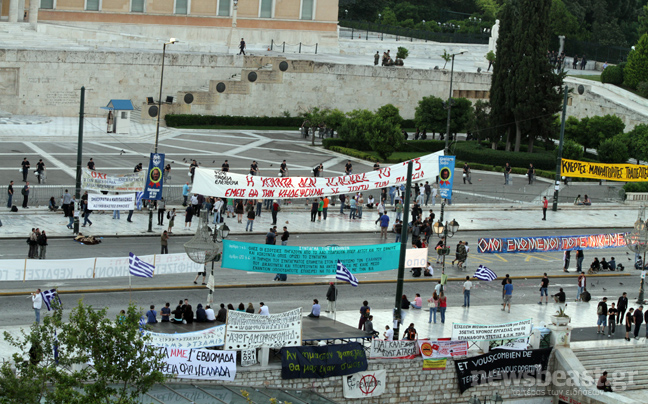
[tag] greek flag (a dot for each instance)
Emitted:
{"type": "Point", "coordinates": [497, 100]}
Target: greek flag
{"type": "Point", "coordinates": [345, 275]}
{"type": "Point", "coordinates": [139, 268]}
{"type": "Point", "coordinates": [49, 296]}
{"type": "Point", "coordinates": [138, 200]}
{"type": "Point", "coordinates": [485, 274]}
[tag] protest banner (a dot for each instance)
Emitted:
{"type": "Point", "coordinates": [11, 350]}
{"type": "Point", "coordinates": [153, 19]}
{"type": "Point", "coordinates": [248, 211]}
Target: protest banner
{"type": "Point", "coordinates": [381, 349]}
{"type": "Point", "coordinates": [503, 245]}
{"type": "Point", "coordinates": [446, 176]}
{"type": "Point", "coordinates": [601, 171]}
{"type": "Point", "coordinates": [203, 364]}
{"type": "Point", "coordinates": [92, 180]}
{"type": "Point", "coordinates": [442, 349]}
{"type": "Point", "coordinates": [248, 357]}
{"type": "Point", "coordinates": [231, 185]}
{"type": "Point", "coordinates": [501, 365]}
{"type": "Point", "coordinates": [364, 384]}
{"type": "Point", "coordinates": [154, 178]}
{"type": "Point", "coordinates": [481, 332]}
{"type": "Point", "coordinates": [434, 364]}
{"type": "Point", "coordinates": [308, 260]}
{"type": "Point", "coordinates": [317, 362]}
{"type": "Point", "coordinates": [111, 202]}
{"type": "Point", "coordinates": [518, 344]}
{"type": "Point", "coordinates": [247, 330]}
{"type": "Point", "coordinates": [209, 337]}
{"type": "Point", "coordinates": [416, 258]}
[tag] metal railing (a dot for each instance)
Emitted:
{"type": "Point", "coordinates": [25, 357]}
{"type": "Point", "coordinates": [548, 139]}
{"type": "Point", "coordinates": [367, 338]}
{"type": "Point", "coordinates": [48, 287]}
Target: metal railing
{"type": "Point", "coordinates": [281, 47]}
{"type": "Point", "coordinates": [363, 30]}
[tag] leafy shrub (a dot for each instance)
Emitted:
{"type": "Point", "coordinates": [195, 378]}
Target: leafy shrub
{"type": "Point", "coordinates": [402, 53]}
{"type": "Point", "coordinates": [636, 70]}
{"type": "Point", "coordinates": [473, 152]}
{"type": "Point", "coordinates": [571, 150]}
{"type": "Point", "coordinates": [228, 120]}
{"type": "Point", "coordinates": [613, 151]}
{"type": "Point", "coordinates": [330, 142]}
{"type": "Point", "coordinates": [636, 187]}
{"type": "Point", "coordinates": [642, 89]}
{"type": "Point", "coordinates": [612, 75]}
{"type": "Point", "coordinates": [422, 146]}
{"type": "Point", "coordinates": [354, 153]}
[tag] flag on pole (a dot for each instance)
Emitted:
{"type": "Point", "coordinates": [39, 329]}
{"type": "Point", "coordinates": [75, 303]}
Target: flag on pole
{"type": "Point", "coordinates": [345, 275]}
{"type": "Point", "coordinates": [485, 274]}
{"type": "Point", "coordinates": [49, 296]}
{"type": "Point", "coordinates": [140, 268]}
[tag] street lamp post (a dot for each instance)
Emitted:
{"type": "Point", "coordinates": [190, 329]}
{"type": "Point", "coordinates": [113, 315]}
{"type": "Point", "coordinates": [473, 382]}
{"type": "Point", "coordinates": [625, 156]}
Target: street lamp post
{"type": "Point", "coordinates": [637, 242]}
{"type": "Point", "coordinates": [157, 128]}
{"type": "Point", "coordinates": [445, 230]}
{"type": "Point", "coordinates": [380, 24]}
{"type": "Point", "coordinates": [554, 206]}
{"type": "Point", "coordinates": [403, 247]}
{"type": "Point", "coordinates": [449, 105]}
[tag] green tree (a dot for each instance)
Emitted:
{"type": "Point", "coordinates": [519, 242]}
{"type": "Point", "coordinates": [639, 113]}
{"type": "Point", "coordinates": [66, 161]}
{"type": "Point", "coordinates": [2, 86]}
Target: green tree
{"type": "Point", "coordinates": [355, 128]}
{"type": "Point", "coordinates": [613, 151]}
{"type": "Point", "coordinates": [389, 113]}
{"type": "Point", "coordinates": [636, 70]}
{"type": "Point", "coordinates": [637, 142]}
{"type": "Point", "coordinates": [490, 8]}
{"type": "Point", "coordinates": [563, 22]}
{"type": "Point", "coordinates": [314, 117]}
{"type": "Point", "coordinates": [384, 136]}
{"type": "Point", "coordinates": [643, 21]}
{"type": "Point", "coordinates": [480, 124]}
{"type": "Point", "coordinates": [430, 115]}
{"type": "Point", "coordinates": [600, 128]}
{"type": "Point", "coordinates": [460, 115]}
{"type": "Point", "coordinates": [573, 129]}
{"type": "Point", "coordinates": [388, 17]}
{"type": "Point", "coordinates": [571, 150]}
{"type": "Point", "coordinates": [122, 369]}
{"type": "Point", "coordinates": [334, 119]}
{"type": "Point", "coordinates": [446, 57]}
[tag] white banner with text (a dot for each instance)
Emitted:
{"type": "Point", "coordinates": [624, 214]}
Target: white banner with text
{"type": "Point", "coordinates": [203, 364]}
{"type": "Point", "coordinates": [111, 202]}
{"type": "Point", "coordinates": [214, 336]}
{"type": "Point", "coordinates": [402, 349]}
{"type": "Point", "coordinates": [483, 332]}
{"type": "Point", "coordinates": [97, 181]}
{"type": "Point", "coordinates": [247, 330]}
{"type": "Point", "coordinates": [364, 384]}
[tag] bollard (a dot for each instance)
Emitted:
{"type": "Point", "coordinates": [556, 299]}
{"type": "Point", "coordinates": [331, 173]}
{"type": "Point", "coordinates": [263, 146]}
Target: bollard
{"type": "Point", "coordinates": [351, 33]}
{"type": "Point", "coordinates": [284, 47]}
{"type": "Point", "coordinates": [300, 47]}
{"type": "Point", "coordinates": [316, 48]}
{"type": "Point", "coordinates": [271, 44]}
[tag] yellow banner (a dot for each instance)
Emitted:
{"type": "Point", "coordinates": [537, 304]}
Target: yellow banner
{"type": "Point", "coordinates": [600, 171]}
{"type": "Point", "coordinates": [434, 364]}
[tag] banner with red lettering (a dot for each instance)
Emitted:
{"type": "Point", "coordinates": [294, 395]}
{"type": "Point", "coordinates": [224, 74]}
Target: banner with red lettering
{"type": "Point", "coordinates": [97, 181]}
{"type": "Point", "coordinates": [231, 185]}
{"type": "Point", "coordinates": [549, 243]}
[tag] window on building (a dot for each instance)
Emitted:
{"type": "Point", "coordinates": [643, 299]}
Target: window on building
{"type": "Point", "coordinates": [308, 7]}
{"type": "Point", "coordinates": [181, 6]}
{"type": "Point", "coordinates": [47, 4]}
{"type": "Point", "coordinates": [224, 8]}
{"type": "Point", "coordinates": [92, 5]}
{"type": "Point", "coordinates": [137, 6]}
{"type": "Point", "coordinates": [266, 9]}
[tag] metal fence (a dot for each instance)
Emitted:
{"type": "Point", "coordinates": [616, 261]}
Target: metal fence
{"type": "Point", "coordinates": [595, 51]}
{"type": "Point", "coordinates": [293, 48]}
{"type": "Point", "coordinates": [362, 30]}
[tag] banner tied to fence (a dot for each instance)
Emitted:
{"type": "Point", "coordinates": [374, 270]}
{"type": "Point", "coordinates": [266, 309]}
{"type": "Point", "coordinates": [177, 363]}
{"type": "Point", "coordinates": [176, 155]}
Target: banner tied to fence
{"type": "Point", "coordinates": [214, 336]}
{"type": "Point", "coordinates": [202, 364]}
{"type": "Point", "coordinates": [502, 245]}
{"type": "Point", "coordinates": [489, 332]}
{"type": "Point", "coordinates": [248, 330]}
{"type": "Point", "coordinates": [600, 171]}
{"type": "Point", "coordinates": [97, 181]}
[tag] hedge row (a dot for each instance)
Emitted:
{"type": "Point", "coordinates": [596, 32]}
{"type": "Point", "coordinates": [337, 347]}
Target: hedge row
{"type": "Point", "coordinates": [227, 120]}
{"type": "Point", "coordinates": [474, 152]}
{"type": "Point", "coordinates": [354, 153]}
{"type": "Point", "coordinates": [636, 187]}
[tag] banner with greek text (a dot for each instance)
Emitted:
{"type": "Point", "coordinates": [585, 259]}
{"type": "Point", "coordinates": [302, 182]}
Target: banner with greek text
{"type": "Point", "coordinates": [446, 175]}
{"type": "Point", "coordinates": [481, 332]}
{"type": "Point", "coordinates": [416, 258]}
{"type": "Point", "coordinates": [247, 330]}
{"type": "Point", "coordinates": [503, 245]}
{"type": "Point", "coordinates": [97, 181]}
{"type": "Point", "coordinates": [600, 171]}
{"type": "Point", "coordinates": [154, 178]}
{"type": "Point", "coordinates": [214, 336]}
{"type": "Point", "coordinates": [381, 349]}
{"type": "Point", "coordinates": [502, 365]}
{"type": "Point", "coordinates": [248, 357]}
{"type": "Point", "coordinates": [309, 260]}
{"type": "Point", "coordinates": [434, 364]}
{"type": "Point", "coordinates": [364, 384]}
{"type": "Point", "coordinates": [318, 362]}
{"type": "Point", "coordinates": [111, 202]}
{"type": "Point", "coordinates": [231, 185]}
{"type": "Point", "coordinates": [202, 364]}
{"type": "Point", "coordinates": [442, 349]}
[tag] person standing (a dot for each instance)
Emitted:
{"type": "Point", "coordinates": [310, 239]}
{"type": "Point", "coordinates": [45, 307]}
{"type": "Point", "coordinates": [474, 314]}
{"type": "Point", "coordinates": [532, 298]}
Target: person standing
{"type": "Point", "coordinates": [353, 208]}
{"type": "Point", "coordinates": [185, 193]}
{"type": "Point", "coordinates": [384, 225]}
{"type": "Point", "coordinates": [638, 319]}
{"type": "Point", "coordinates": [508, 295]}
{"type": "Point", "coordinates": [531, 173]}
{"type": "Point", "coordinates": [504, 282]}
{"type": "Point", "coordinates": [629, 319]}
{"type": "Point", "coordinates": [325, 206]}
{"type": "Point", "coordinates": [284, 236]}
{"type": "Point", "coordinates": [566, 259]}
{"type": "Point", "coordinates": [443, 305]}
{"type": "Point", "coordinates": [40, 171]}
{"type": "Point", "coordinates": [582, 283]}
{"type": "Point", "coordinates": [33, 243]}
{"type": "Point", "coordinates": [313, 212]}
{"type": "Point", "coordinates": [580, 256]}
{"type": "Point", "coordinates": [275, 209]}
{"type": "Point", "coordinates": [164, 242]}
{"type": "Point", "coordinates": [172, 216]}
{"type": "Point", "coordinates": [466, 292]}
{"type": "Point", "coordinates": [25, 193]}
{"type": "Point", "coordinates": [225, 166]}
{"type": "Point", "coordinates": [10, 192]}
{"type": "Point", "coordinates": [376, 58]}
{"type": "Point", "coordinates": [342, 200]}
{"type": "Point", "coordinates": [331, 297]}
{"type": "Point", "coordinates": [612, 312]}
{"type": "Point", "coordinates": [25, 169]}
{"type": "Point", "coordinates": [218, 206]}
{"type": "Point", "coordinates": [86, 213]}
{"type": "Point", "coordinates": [365, 312]}
{"type": "Point", "coordinates": [545, 205]}
{"type": "Point", "coordinates": [602, 313]}
{"type": "Point", "coordinates": [161, 209]}
{"type": "Point", "coordinates": [242, 47]}
{"type": "Point", "coordinates": [466, 174]}
{"type": "Point", "coordinates": [622, 306]}
{"type": "Point", "coordinates": [37, 302]}
{"type": "Point", "coordinates": [544, 287]}
{"type": "Point", "coordinates": [250, 220]}
{"type": "Point", "coordinates": [42, 244]}
{"type": "Point", "coordinates": [507, 174]}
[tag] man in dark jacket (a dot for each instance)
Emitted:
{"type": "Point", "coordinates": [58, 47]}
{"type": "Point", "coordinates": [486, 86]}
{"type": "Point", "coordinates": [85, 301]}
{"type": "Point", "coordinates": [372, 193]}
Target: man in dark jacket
{"type": "Point", "coordinates": [331, 297]}
{"type": "Point", "coordinates": [638, 319]}
{"type": "Point", "coordinates": [622, 306]}
{"type": "Point", "coordinates": [222, 314]}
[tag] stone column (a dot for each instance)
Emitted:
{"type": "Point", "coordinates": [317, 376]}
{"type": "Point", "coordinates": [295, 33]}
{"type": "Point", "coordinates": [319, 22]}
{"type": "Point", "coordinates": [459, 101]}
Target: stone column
{"type": "Point", "coordinates": [33, 13]}
{"type": "Point", "coordinates": [13, 11]}
{"type": "Point", "coordinates": [21, 10]}
{"type": "Point", "coordinates": [562, 44]}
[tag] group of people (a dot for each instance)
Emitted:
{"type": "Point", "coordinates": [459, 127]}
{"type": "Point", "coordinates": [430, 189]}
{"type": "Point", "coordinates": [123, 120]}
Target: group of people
{"type": "Point", "coordinates": [386, 59]}
{"type": "Point", "coordinates": [609, 316]}
{"type": "Point", "coordinates": [37, 242]}
{"type": "Point", "coordinates": [184, 313]}
{"type": "Point", "coordinates": [585, 201]}
{"type": "Point", "coordinates": [558, 60]}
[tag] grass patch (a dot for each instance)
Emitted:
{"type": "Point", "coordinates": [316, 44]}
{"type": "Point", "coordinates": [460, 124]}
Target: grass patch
{"type": "Point", "coordinates": [283, 128]}
{"type": "Point", "coordinates": [593, 77]}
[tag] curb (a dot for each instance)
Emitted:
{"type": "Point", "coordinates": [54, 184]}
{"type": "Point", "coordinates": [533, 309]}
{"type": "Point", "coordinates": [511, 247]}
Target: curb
{"type": "Point", "coordinates": [271, 285]}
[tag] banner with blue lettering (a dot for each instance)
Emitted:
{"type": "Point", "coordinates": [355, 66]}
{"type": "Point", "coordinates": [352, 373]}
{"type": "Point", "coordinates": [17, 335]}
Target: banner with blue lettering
{"type": "Point", "coordinates": [154, 177]}
{"type": "Point", "coordinates": [446, 175]}
{"type": "Point", "coordinates": [318, 362]}
{"type": "Point", "coordinates": [309, 260]}
{"type": "Point", "coordinates": [548, 243]}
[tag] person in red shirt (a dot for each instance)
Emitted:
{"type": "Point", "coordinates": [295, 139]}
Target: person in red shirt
{"type": "Point", "coordinates": [325, 208]}
{"type": "Point", "coordinates": [545, 205]}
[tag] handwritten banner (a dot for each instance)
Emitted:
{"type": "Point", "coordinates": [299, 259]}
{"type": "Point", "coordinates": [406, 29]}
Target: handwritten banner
{"type": "Point", "coordinates": [317, 362]}
{"type": "Point", "coordinates": [600, 171]}
{"type": "Point", "coordinates": [434, 364]}
{"type": "Point", "coordinates": [308, 260]}
{"type": "Point", "coordinates": [549, 243]}
{"type": "Point", "coordinates": [442, 349]}
{"type": "Point", "coordinates": [501, 365]}
{"type": "Point", "coordinates": [479, 332]}
{"type": "Point", "coordinates": [97, 181]}
{"type": "Point", "coordinates": [365, 384]}
{"type": "Point", "coordinates": [247, 331]}
{"type": "Point", "coordinates": [393, 349]}
{"type": "Point", "coordinates": [209, 337]}
{"type": "Point", "coordinates": [249, 357]}
{"type": "Point", "coordinates": [111, 202]}
{"type": "Point", "coordinates": [204, 364]}
{"type": "Point", "coordinates": [231, 185]}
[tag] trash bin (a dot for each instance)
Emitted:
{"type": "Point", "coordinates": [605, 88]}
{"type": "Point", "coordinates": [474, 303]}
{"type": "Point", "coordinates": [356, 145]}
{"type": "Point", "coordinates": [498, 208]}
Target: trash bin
{"type": "Point", "coordinates": [544, 336]}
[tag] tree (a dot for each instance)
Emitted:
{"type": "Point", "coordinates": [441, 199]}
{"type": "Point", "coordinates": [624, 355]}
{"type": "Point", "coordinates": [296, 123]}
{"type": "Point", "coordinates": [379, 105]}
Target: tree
{"type": "Point", "coordinates": [384, 137]}
{"type": "Point", "coordinates": [600, 128]}
{"type": "Point", "coordinates": [563, 22]}
{"type": "Point", "coordinates": [490, 8]}
{"type": "Point", "coordinates": [314, 117]}
{"type": "Point", "coordinates": [390, 114]}
{"type": "Point", "coordinates": [355, 128]}
{"type": "Point", "coordinates": [525, 89]}
{"type": "Point", "coordinates": [334, 119]}
{"type": "Point", "coordinates": [637, 142]}
{"type": "Point", "coordinates": [480, 125]}
{"type": "Point", "coordinates": [571, 150]}
{"type": "Point", "coordinates": [460, 115]}
{"type": "Point", "coordinates": [447, 57]}
{"type": "Point", "coordinates": [388, 17]}
{"type": "Point", "coordinates": [613, 151]}
{"type": "Point", "coordinates": [430, 115]}
{"type": "Point", "coordinates": [122, 366]}
{"type": "Point", "coordinates": [636, 70]}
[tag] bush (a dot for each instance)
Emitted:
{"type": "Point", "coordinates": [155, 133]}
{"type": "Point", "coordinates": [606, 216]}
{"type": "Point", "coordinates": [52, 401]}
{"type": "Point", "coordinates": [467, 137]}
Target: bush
{"type": "Point", "coordinates": [613, 151]}
{"type": "Point", "coordinates": [422, 146]}
{"type": "Point", "coordinates": [642, 89]}
{"type": "Point", "coordinates": [402, 53]}
{"type": "Point", "coordinates": [636, 70]}
{"type": "Point", "coordinates": [355, 153]}
{"type": "Point", "coordinates": [473, 152]}
{"type": "Point", "coordinates": [612, 75]}
{"type": "Point", "coordinates": [408, 123]}
{"type": "Point", "coordinates": [571, 150]}
{"type": "Point", "coordinates": [636, 187]}
{"type": "Point", "coordinates": [227, 120]}
{"type": "Point", "coordinates": [330, 142]}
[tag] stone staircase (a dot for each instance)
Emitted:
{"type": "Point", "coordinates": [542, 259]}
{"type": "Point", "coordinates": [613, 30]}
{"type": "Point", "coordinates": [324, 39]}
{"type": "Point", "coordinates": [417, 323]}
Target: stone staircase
{"type": "Point", "coordinates": [621, 363]}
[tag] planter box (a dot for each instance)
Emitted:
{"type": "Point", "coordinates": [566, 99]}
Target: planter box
{"type": "Point", "coordinates": [560, 321]}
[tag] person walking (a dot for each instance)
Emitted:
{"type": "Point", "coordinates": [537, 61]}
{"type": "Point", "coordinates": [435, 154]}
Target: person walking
{"type": "Point", "coordinates": [164, 242]}
{"type": "Point", "coordinates": [531, 173]}
{"type": "Point", "coordinates": [25, 193]}
{"type": "Point", "coordinates": [40, 171]}
{"type": "Point", "coordinates": [508, 295]}
{"type": "Point", "coordinates": [242, 47]}
{"type": "Point", "coordinates": [504, 282]}
{"type": "Point", "coordinates": [25, 168]}
{"type": "Point", "coordinates": [10, 192]}
{"type": "Point", "coordinates": [602, 312]}
{"type": "Point", "coordinates": [365, 312]}
{"type": "Point", "coordinates": [622, 306]}
{"type": "Point", "coordinates": [566, 258]}
{"type": "Point", "coordinates": [285, 236]}
{"type": "Point", "coordinates": [86, 213]}
{"type": "Point", "coordinates": [466, 174]}
{"type": "Point", "coordinates": [384, 225]}
{"type": "Point", "coordinates": [172, 216]}
{"type": "Point", "coordinates": [161, 205]}
{"type": "Point", "coordinates": [544, 287]}
{"type": "Point", "coordinates": [331, 298]}
{"type": "Point", "coordinates": [466, 292]}
{"type": "Point", "coordinates": [42, 245]}
{"type": "Point", "coordinates": [638, 319]}
{"type": "Point", "coordinates": [185, 193]}
{"type": "Point", "coordinates": [581, 283]}
{"type": "Point", "coordinates": [37, 302]}
{"type": "Point", "coordinates": [629, 319]}
{"type": "Point", "coordinates": [545, 205]}
{"type": "Point", "coordinates": [580, 256]}
{"type": "Point", "coordinates": [275, 209]}
{"type": "Point", "coordinates": [250, 220]}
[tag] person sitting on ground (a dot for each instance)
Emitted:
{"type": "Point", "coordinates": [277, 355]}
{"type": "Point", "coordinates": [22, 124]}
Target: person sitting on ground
{"type": "Point", "coordinates": [587, 201]}
{"type": "Point", "coordinates": [603, 383]}
{"type": "Point", "coordinates": [315, 310]}
{"type": "Point", "coordinates": [230, 307]}
{"type": "Point", "coordinates": [612, 264]}
{"type": "Point", "coordinates": [241, 307]}
{"type": "Point", "coordinates": [177, 315]}
{"type": "Point", "coordinates": [165, 313]}
{"type": "Point", "coordinates": [222, 313]}
{"type": "Point", "coordinates": [188, 314]}
{"type": "Point", "coordinates": [370, 202]}
{"type": "Point", "coordinates": [577, 201]}
{"type": "Point", "coordinates": [250, 309]}
{"type": "Point", "coordinates": [559, 297]}
{"type": "Point", "coordinates": [429, 270]}
{"type": "Point", "coordinates": [595, 266]}
{"type": "Point", "coordinates": [418, 302]}
{"type": "Point", "coordinates": [201, 314]}
{"type": "Point", "coordinates": [388, 335]}
{"type": "Point", "coordinates": [604, 264]}
{"type": "Point", "coordinates": [410, 333]}
{"type": "Point", "coordinates": [52, 205]}
{"type": "Point", "coordinates": [368, 327]}
{"type": "Point", "coordinates": [209, 312]}
{"type": "Point", "coordinates": [151, 315]}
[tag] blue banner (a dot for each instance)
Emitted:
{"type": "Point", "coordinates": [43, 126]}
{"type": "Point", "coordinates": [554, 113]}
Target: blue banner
{"type": "Point", "coordinates": [309, 260]}
{"type": "Point", "coordinates": [319, 362]}
{"type": "Point", "coordinates": [550, 243]}
{"type": "Point", "coordinates": [446, 175]}
{"type": "Point", "coordinates": [154, 177]}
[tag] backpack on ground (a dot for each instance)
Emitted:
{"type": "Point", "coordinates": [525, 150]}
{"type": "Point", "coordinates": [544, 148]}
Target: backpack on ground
{"type": "Point", "coordinates": [585, 296]}
{"type": "Point", "coordinates": [14, 208]}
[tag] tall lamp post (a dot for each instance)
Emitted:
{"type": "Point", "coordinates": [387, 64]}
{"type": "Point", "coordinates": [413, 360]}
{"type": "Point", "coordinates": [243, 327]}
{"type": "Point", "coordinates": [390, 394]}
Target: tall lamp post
{"type": "Point", "coordinates": [637, 242]}
{"type": "Point", "coordinates": [444, 230]}
{"type": "Point", "coordinates": [449, 104]}
{"type": "Point", "coordinates": [403, 247]}
{"type": "Point", "coordinates": [157, 128]}
{"type": "Point", "coordinates": [380, 24]}
{"type": "Point", "coordinates": [554, 206]}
